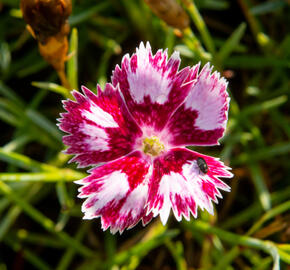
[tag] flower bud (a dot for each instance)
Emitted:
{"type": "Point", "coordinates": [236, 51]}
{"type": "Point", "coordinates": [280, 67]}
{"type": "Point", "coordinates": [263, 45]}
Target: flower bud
{"type": "Point", "coordinates": [47, 22]}
{"type": "Point", "coordinates": [170, 12]}
{"type": "Point", "coordinates": [46, 17]}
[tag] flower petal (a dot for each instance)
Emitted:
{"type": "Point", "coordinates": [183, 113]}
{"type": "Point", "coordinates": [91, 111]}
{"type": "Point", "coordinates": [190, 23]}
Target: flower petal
{"type": "Point", "coordinates": [101, 128]}
{"type": "Point", "coordinates": [152, 86]}
{"type": "Point", "coordinates": [178, 183]}
{"type": "Point", "coordinates": [117, 192]}
{"type": "Point", "coordinates": [202, 118]}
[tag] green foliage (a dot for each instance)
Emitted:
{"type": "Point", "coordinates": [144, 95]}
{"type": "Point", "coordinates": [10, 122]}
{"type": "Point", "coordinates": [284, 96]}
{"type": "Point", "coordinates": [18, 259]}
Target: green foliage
{"type": "Point", "coordinates": [41, 222]}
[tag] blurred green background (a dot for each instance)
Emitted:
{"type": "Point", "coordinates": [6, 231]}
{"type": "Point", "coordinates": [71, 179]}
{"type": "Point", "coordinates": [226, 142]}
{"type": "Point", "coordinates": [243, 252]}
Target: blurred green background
{"type": "Point", "coordinates": [41, 224]}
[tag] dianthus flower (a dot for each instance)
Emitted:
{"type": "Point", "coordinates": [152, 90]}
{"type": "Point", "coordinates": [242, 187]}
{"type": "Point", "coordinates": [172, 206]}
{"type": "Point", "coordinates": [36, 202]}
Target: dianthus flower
{"type": "Point", "coordinates": [139, 126]}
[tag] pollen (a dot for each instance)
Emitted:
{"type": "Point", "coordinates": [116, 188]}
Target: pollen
{"type": "Point", "coordinates": [152, 146]}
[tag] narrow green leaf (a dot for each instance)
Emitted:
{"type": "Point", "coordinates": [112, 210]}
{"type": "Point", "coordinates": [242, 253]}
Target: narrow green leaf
{"type": "Point", "coordinates": [9, 93]}
{"type": "Point", "coordinates": [176, 250]}
{"type": "Point", "coordinates": [284, 207]}
{"type": "Point", "coordinates": [284, 256]}
{"type": "Point", "coordinates": [16, 143]}
{"type": "Point", "coordinates": [52, 87]}
{"type": "Point", "coordinates": [44, 124]}
{"type": "Point", "coordinates": [236, 239]}
{"type": "Point", "coordinates": [279, 119]}
{"type": "Point", "coordinates": [262, 190]}
{"type": "Point", "coordinates": [70, 252]}
{"type": "Point", "coordinates": [285, 247]}
{"type": "Point", "coordinates": [66, 175]}
{"type": "Point", "coordinates": [255, 62]}
{"type": "Point", "coordinates": [10, 118]}
{"type": "Point", "coordinates": [110, 245]}
{"type": "Point", "coordinates": [5, 57]}
{"type": "Point", "coordinates": [24, 162]}
{"type": "Point", "coordinates": [201, 26]}
{"type": "Point", "coordinates": [63, 196]}
{"type": "Point", "coordinates": [264, 106]}
{"type": "Point", "coordinates": [214, 4]}
{"type": "Point", "coordinates": [16, 12]}
{"type": "Point", "coordinates": [141, 249]}
{"type": "Point", "coordinates": [254, 210]}
{"type": "Point", "coordinates": [156, 236]}
{"type": "Point", "coordinates": [263, 154]}
{"type": "Point", "coordinates": [267, 6]}
{"type": "Point", "coordinates": [9, 218]}
{"type": "Point", "coordinates": [108, 44]}
{"type": "Point", "coordinates": [4, 203]}
{"type": "Point", "coordinates": [228, 257]}
{"type": "Point", "coordinates": [35, 260]}
{"type": "Point", "coordinates": [135, 11]}
{"type": "Point", "coordinates": [45, 222]}
{"type": "Point", "coordinates": [36, 238]}
{"type": "Point", "coordinates": [72, 64]}
{"type": "Point", "coordinates": [32, 69]}
{"type": "Point", "coordinates": [231, 43]}
{"type": "Point", "coordinates": [10, 106]}
{"type": "Point", "coordinates": [195, 46]}
{"type": "Point", "coordinates": [88, 13]}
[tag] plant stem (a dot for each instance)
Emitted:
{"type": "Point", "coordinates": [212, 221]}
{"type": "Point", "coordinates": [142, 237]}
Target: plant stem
{"type": "Point", "coordinates": [66, 175]}
{"type": "Point", "coordinates": [24, 162]}
{"type": "Point", "coordinates": [201, 26]}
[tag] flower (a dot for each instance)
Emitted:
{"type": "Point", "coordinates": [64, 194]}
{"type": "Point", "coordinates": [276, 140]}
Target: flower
{"type": "Point", "coordinates": [139, 127]}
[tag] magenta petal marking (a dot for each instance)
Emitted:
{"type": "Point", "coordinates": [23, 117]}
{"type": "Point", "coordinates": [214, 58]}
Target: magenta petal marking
{"type": "Point", "coordinates": [202, 118]}
{"type": "Point", "coordinates": [100, 127]}
{"type": "Point", "coordinates": [117, 192]}
{"type": "Point", "coordinates": [152, 86]}
{"type": "Point", "coordinates": [178, 183]}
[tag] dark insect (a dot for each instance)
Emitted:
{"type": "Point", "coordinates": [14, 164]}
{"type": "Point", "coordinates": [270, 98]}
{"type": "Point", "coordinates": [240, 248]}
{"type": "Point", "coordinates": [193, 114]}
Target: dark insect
{"type": "Point", "coordinates": [202, 165]}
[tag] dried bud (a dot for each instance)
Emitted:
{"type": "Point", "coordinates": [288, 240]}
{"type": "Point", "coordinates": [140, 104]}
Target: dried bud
{"type": "Point", "coordinates": [47, 22]}
{"type": "Point", "coordinates": [170, 12]}
{"type": "Point", "coordinates": [46, 17]}
{"type": "Point", "coordinates": [54, 51]}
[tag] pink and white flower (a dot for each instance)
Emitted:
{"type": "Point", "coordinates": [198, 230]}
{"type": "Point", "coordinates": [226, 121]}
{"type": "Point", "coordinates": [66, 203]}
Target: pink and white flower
{"type": "Point", "coordinates": [139, 126]}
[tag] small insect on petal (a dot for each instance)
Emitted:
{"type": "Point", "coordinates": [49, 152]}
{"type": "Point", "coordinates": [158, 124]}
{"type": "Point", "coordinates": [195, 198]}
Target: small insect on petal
{"type": "Point", "coordinates": [202, 165]}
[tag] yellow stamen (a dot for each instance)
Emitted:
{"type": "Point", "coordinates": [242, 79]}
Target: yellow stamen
{"type": "Point", "coordinates": [152, 146]}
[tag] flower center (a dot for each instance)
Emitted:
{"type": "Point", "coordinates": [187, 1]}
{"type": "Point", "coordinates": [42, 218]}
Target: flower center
{"type": "Point", "coordinates": [152, 146]}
